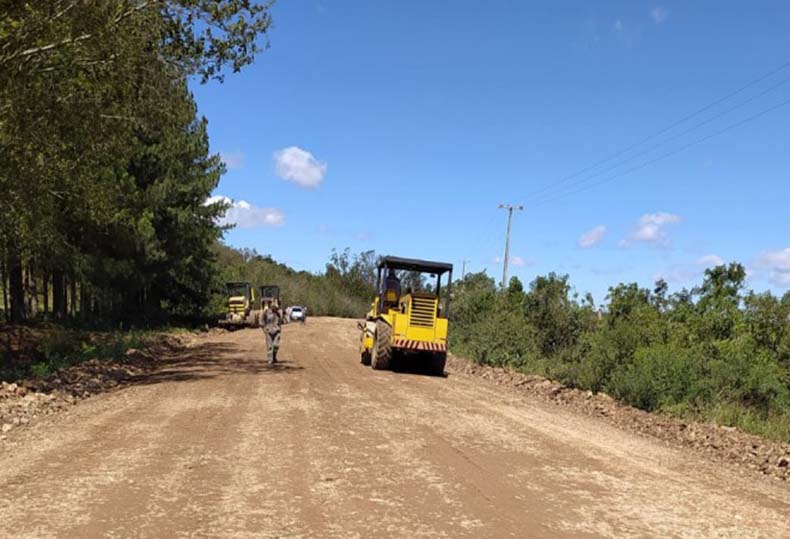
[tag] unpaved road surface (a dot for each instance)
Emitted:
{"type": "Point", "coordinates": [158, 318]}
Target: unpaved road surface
{"type": "Point", "coordinates": [219, 444]}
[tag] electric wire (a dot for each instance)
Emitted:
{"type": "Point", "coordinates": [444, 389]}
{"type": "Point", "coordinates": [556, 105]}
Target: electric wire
{"type": "Point", "coordinates": [565, 187]}
{"type": "Point", "coordinates": [565, 179]}
{"type": "Point", "coordinates": [666, 141]}
{"type": "Point", "coordinates": [486, 237]}
{"type": "Point", "coordinates": [665, 155]}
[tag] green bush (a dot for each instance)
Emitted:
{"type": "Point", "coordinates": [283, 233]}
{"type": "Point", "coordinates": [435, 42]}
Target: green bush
{"type": "Point", "coordinates": [660, 377]}
{"type": "Point", "coordinates": [63, 348]}
{"type": "Point", "coordinates": [40, 370]}
{"type": "Point", "coordinates": [593, 369]}
{"type": "Point", "coordinates": [750, 377]}
{"type": "Point", "coordinates": [502, 339]}
{"type": "Point", "coordinates": [711, 353]}
{"type": "Point", "coordinates": [61, 344]}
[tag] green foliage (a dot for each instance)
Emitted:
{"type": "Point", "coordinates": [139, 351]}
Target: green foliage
{"type": "Point", "coordinates": [742, 373]}
{"type": "Point", "coordinates": [549, 309]}
{"type": "Point", "coordinates": [490, 327]}
{"type": "Point", "coordinates": [106, 165]}
{"type": "Point", "coordinates": [767, 319]}
{"type": "Point", "coordinates": [62, 348]}
{"type": "Point", "coordinates": [712, 352]}
{"type": "Point", "coordinates": [659, 377]}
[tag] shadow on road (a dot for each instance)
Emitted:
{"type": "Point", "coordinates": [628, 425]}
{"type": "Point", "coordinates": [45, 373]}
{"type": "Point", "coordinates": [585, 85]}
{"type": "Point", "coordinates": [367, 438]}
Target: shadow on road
{"type": "Point", "coordinates": [414, 365]}
{"type": "Point", "coordinates": [211, 360]}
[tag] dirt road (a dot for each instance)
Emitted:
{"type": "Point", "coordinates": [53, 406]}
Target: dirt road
{"type": "Point", "coordinates": [219, 444]}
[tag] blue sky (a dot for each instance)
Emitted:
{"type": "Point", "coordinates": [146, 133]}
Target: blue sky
{"type": "Point", "coordinates": [401, 126]}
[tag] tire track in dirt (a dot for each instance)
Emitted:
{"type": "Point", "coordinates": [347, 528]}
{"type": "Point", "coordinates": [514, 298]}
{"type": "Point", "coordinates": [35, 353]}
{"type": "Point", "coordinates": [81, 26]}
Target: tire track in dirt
{"type": "Point", "coordinates": [87, 463]}
{"type": "Point", "coordinates": [444, 468]}
{"type": "Point", "coordinates": [574, 448]}
{"type": "Point", "coordinates": [351, 466]}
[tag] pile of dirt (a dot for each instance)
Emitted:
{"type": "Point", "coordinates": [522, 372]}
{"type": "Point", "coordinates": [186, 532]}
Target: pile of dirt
{"type": "Point", "coordinates": [716, 442]}
{"type": "Point", "coordinates": [20, 345]}
{"type": "Point", "coordinates": [23, 401]}
{"type": "Point", "coordinates": [216, 330]}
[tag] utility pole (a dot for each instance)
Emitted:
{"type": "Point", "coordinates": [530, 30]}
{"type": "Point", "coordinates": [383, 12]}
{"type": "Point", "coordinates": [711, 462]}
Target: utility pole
{"type": "Point", "coordinates": [509, 208]}
{"type": "Point", "coordinates": [463, 271]}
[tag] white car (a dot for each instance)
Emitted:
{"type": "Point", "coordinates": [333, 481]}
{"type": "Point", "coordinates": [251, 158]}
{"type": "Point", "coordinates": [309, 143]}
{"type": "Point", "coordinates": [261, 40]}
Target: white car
{"type": "Point", "coordinates": [297, 314]}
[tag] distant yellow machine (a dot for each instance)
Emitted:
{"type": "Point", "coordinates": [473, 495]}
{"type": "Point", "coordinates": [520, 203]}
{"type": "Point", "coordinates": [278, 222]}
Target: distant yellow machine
{"type": "Point", "coordinates": [242, 310]}
{"type": "Point", "coordinates": [269, 292]}
{"type": "Point", "coordinates": [407, 322]}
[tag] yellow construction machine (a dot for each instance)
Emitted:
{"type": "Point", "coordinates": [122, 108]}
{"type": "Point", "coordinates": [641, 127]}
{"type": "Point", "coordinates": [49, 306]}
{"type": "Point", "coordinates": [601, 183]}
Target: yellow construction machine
{"type": "Point", "coordinates": [410, 322]}
{"type": "Point", "coordinates": [269, 292]}
{"type": "Point", "coordinates": [242, 309]}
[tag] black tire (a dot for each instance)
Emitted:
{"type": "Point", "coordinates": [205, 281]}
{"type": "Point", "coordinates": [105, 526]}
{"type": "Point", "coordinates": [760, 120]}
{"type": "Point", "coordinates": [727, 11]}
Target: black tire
{"type": "Point", "coordinates": [438, 361]}
{"type": "Point", "coordinates": [382, 347]}
{"type": "Point", "coordinates": [365, 358]}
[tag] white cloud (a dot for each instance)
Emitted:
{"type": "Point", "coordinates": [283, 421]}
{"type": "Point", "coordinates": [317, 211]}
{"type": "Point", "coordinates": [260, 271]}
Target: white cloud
{"type": "Point", "coordinates": [592, 237]}
{"type": "Point", "coordinates": [618, 25]}
{"type": "Point", "coordinates": [232, 160]}
{"type": "Point", "coordinates": [299, 166]}
{"type": "Point", "coordinates": [710, 260]}
{"type": "Point", "coordinates": [778, 265]}
{"type": "Point", "coordinates": [775, 259]}
{"type": "Point", "coordinates": [650, 229]}
{"type": "Point", "coordinates": [242, 214]}
{"type": "Point", "coordinates": [217, 198]}
{"type": "Point", "coordinates": [659, 14]}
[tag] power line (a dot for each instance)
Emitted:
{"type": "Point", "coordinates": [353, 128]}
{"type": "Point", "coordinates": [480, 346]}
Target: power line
{"type": "Point", "coordinates": [670, 139]}
{"type": "Point", "coordinates": [697, 112]}
{"type": "Point", "coordinates": [666, 155]}
{"type": "Point", "coordinates": [484, 238]}
{"type": "Point", "coordinates": [571, 188]}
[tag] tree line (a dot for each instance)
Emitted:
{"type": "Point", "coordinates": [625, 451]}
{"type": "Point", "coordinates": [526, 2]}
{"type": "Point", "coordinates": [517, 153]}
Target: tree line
{"type": "Point", "coordinates": [715, 351]}
{"type": "Point", "coordinates": [105, 164]}
{"type": "Point", "coordinates": [345, 288]}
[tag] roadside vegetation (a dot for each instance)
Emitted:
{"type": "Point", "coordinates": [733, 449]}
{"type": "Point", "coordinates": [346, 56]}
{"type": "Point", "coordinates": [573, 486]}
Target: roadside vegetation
{"type": "Point", "coordinates": [41, 351]}
{"type": "Point", "coordinates": [106, 165]}
{"type": "Point", "coordinates": [714, 352]}
{"type": "Point", "coordinates": [107, 168]}
{"type": "Point", "coordinates": [344, 289]}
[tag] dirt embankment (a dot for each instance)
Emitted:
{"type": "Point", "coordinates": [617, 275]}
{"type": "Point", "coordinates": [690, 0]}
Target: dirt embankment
{"type": "Point", "coordinates": [24, 401]}
{"type": "Point", "coordinates": [716, 442]}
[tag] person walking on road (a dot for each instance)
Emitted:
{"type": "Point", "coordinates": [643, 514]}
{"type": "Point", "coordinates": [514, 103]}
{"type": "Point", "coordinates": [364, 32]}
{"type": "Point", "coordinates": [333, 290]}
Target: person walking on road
{"type": "Point", "coordinates": [271, 323]}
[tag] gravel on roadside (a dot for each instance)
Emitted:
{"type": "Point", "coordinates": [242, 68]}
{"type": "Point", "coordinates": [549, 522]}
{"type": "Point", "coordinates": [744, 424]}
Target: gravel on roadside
{"type": "Point", "coordinates": [716, 442]}
{"type": "Point", "coordinates": [24, 401]}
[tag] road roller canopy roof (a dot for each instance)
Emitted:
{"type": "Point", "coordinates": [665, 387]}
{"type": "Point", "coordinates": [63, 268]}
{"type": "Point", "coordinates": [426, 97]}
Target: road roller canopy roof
{"type": "Point", "coordinates": [238, 288]}
{"type": "Point", "coordinates": [412, 264]}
